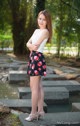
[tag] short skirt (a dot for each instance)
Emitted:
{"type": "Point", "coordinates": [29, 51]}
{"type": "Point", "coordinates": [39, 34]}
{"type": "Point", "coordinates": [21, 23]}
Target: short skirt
{"type": "Point", "coordinates": [36, 64]}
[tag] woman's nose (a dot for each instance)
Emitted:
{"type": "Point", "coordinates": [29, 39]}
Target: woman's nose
{"type": "Point", "coordinates": [41, 21]}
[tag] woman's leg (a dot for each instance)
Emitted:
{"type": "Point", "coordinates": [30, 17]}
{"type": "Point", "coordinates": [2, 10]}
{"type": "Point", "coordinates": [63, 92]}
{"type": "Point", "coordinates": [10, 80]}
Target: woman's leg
{"type": "Point", "coordinates": [34, 85]}
{"type": "Point", "coordinates": [41, 97]}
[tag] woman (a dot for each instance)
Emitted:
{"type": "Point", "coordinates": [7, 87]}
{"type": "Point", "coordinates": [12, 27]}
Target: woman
{"type": "Point", "coordinates": [37, 64]}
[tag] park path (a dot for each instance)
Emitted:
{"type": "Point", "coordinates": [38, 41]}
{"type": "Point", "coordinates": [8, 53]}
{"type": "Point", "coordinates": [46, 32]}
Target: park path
{"type": "Point", "coordinates": [62, 92]}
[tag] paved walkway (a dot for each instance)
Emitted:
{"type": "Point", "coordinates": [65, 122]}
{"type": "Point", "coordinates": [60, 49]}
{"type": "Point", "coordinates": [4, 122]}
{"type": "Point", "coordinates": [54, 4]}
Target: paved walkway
{"type": "Point", "coordinates": [59, 85]}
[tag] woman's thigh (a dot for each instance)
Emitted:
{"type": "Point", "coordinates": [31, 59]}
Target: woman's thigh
{"type": "Point", "coordinates": [35, 82]}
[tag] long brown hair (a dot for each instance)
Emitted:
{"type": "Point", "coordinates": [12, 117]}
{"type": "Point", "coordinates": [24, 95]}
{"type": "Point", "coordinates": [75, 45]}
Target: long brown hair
{"type": "Point", "coordinates": [49, 22]}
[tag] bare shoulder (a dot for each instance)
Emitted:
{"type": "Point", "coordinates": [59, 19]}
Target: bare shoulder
{"type": "Point", "coordinates": [45, 32]}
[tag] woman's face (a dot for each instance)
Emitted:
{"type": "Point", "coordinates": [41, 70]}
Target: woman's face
{"type": "Point", "coordinates": [42, 21]}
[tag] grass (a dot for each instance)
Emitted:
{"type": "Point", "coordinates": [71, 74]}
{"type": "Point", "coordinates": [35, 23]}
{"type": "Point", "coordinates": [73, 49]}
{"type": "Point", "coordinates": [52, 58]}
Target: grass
{"type": "Point", "coordinates": [6, 40]}
{"type": "Point", "coordinates": [9, 120]}
{"type": "Point", "coordinates": [7, 91]}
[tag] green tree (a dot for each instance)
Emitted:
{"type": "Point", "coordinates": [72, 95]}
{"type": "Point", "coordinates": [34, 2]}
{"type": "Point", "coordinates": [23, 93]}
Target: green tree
{"type": "Point", "coordinates": [65, 15]}
{"type": "Point", "coordinates": [4, 16]}
{"type": "Point", "coordinates": [77, 24]}
{"type": "Point", "coordinates": [20, 15]}
{"type": "Point", "coordinates": [18, 12]}
{"type": "Point", "coordinates": [59, 27]}
{"type": "Point", "coordinates": [40, 5]}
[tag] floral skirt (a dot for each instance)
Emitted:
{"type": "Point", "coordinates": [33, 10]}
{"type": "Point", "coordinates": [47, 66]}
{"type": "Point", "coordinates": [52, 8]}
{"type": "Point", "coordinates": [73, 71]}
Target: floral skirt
{"type": "Point", "coordinates": [36, 64]}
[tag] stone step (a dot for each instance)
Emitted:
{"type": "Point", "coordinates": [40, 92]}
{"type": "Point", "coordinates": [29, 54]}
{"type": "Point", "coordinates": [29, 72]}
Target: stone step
{"type": "Point", "coordinates": [76, 107]}
{"type": "Point", "coordinates": [4, 59]}
{"type": "Point", "coordinates": [50, 70]}
{"type": "Point", "coordinates": [20, 75]}
{"type": "Point", "coordinates": [66, 69]}
{"type": "Point", "coordinates": [53, 77]}
{"type": "Point", "coordinates": [72, 86]}
{"type": "Point", "coordinates": [17, 76]}
{"type": "Point", "coordinates": [14, 66]}
{"type": "Point", "coordinates": [54, 119]}
{"type": "Point", "coordinates": [53, 95]}
{"type": "Point", "coordinates": [18, 61]}
{"type": "Point", "coordinates": [20, 104]}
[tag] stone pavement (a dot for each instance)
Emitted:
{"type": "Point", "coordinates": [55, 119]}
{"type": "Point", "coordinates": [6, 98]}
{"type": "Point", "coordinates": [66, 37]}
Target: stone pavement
{"type": "Point", "coordinates": [54, 119]}
{"type": "Point", "coordinates": [76, 107]}
{"type": "Point", "coordinates": [59, 84]}
{"type": "Point", "coordinates": [17, 76]}
{"type": "Point", "coordinates": [53, 95]}
{"type": "Point", "coordinates": [71, 85]}
{"type": "Point", "coordinates": [20, 104]}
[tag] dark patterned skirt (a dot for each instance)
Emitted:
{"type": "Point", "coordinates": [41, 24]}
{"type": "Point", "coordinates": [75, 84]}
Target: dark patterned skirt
{"type": "Point", "coordinates": [36, 64]}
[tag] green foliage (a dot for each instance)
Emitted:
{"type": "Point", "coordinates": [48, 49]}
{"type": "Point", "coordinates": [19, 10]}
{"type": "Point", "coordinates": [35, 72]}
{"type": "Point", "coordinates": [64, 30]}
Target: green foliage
{"type": "Point", "coordinates": [40, 5]}
{"type": "Point", "coordinates": [6, 41]}
{"type": "Point", "coordinates": [19, 16]}
{"type": "Point", "coordinates": [65, 15]}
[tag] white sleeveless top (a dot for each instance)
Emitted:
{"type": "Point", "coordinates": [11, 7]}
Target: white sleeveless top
{"type": "Point", "coordinates": [35, 37]}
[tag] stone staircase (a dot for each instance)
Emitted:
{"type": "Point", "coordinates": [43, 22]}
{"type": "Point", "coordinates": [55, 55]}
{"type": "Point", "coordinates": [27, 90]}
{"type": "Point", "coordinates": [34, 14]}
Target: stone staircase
{"type": "Point", "coordinates": [20, 75]}
{"type": "Point", "coordinates": [58, 91]}
{"type": "Point", "coordinates": [54, 119]}
{"type": "Point", "coordinates": [19, 104]}
{"type": "Point", "coordinates": [72, 86]}
{"type": "Point", "coordinates": [53, 95]}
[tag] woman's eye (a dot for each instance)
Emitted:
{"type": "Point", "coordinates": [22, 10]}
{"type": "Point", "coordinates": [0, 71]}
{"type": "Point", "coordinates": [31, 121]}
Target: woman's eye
{"type": "Point", "coordinates": [42, 19]}
{"type": "Point", "coordinates": [39, 18]}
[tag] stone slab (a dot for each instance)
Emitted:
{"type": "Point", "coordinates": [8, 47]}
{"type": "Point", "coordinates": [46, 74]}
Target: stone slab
{"type": "Point", "coordinates": [8, 65]}
{"type": "Point", "coordinates": [4, 59]}
{"type": "Point", "coordinates": [17, 76]}
{"type": "Point", "coordinates": [18, 61]}
{"type": "Point", "coordinates": [76, 107]}
{"type": "Point", "coordinates": [72, 86]}
{"type": "Point", "coordinates": [20, 104]}
{"type": "Point", "coordinates": [53, 77]}
{"type": "Point", "coordinates": [20, 75]}
{"type": "Point", "coordinates": [49, 70]}
{"type": "Point", "coordinates": [66, 69]}
{"type": "Point", "coordinates": [52, 94]}
{"type": "Point", "coordinates": [54, 119]}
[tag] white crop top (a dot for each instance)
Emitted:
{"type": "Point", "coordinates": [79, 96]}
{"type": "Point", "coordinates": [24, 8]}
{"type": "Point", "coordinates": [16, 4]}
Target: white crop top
{"type": "Point", "coordinates": [35, 37]}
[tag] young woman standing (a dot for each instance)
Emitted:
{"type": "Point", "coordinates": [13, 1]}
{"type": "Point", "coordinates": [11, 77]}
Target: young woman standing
{"type": "Point", "coordinates": [37, 64]}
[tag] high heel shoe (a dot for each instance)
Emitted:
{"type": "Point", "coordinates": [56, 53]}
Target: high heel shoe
{"type": "Point", "coordinates": [41, 114]}
{"type": "Point", "coordinates": [32, 117]}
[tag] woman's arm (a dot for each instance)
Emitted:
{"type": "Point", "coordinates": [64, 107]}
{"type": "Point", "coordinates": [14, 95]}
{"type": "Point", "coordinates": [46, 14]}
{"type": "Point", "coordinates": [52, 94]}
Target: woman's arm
{"type": "Point", "coordinates": [44, 35]}
{"type": "Point", "coordinates": [30, 45]}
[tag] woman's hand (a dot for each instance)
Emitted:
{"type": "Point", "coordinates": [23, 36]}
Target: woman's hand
{"type": "Point", "coordinates": [35, 47]}
{"type": "Point", "coordinates": [32, 46]}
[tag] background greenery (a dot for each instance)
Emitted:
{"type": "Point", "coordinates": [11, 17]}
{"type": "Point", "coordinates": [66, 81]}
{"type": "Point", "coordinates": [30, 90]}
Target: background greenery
{"type": "Point", "coordinates": [18, 21]}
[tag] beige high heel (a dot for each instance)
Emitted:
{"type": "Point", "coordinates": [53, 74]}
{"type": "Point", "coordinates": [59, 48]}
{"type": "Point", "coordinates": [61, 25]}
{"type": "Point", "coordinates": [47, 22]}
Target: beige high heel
{"type": "Point", "coordinates": [41, 114]}
{"type": "Point", "coordinates": [32, 117]}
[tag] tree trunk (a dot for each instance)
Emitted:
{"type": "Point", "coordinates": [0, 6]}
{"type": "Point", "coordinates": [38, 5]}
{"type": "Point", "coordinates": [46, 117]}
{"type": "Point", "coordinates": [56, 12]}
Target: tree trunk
{"type": "Point", "coordinates": [40, 5]}
{"type": "Point", "coordinates": [78, 46]}
{"type": "Point", "coordinates": [18, 30]}
{"type": "Point", "coordinates": [59, 29]}
{"type": "Point", "coordinates": [18, 26]}
{"type": "Point", "coordinates": [21, 32]}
